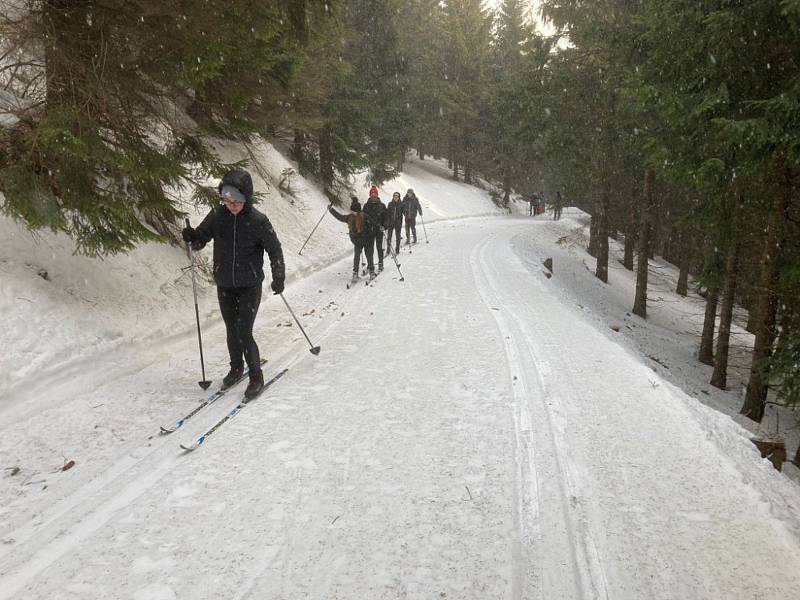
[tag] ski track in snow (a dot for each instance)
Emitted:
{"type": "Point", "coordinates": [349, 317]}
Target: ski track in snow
{"type": "Point", "coordinates": [463, 434]}
{"type": "Point", "coordinates": [540, 457]}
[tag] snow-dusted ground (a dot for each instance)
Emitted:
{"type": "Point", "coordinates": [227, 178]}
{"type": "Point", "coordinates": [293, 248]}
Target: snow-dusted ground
{"type": "Point", "coordinates": [476, 431]}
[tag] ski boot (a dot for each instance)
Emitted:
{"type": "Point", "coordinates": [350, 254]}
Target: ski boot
{"type": "Point", "coordinates": [234, 375]}
{"type": "Point", "coordinates": [255, 386]}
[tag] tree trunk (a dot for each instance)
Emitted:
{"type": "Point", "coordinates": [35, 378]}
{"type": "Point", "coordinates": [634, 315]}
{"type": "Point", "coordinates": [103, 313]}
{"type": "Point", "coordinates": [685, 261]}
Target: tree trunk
{"type": "Point", "coordinates": [720, 376]}
{"type": "Point", "coordinates": [326, 162]}
{"type": "Point", "coordinates": [630, 244]}
{"type": "Point", "coordinates": [298, 145]}
{"type": "Point", "coordinates": [506, 189]}
{"type": "Point", "coordinates": [758, 385]}
{"type": "Point", "coordinates": [467, 173]}
{"type": "Point", "coordinates": [630, 227]}
{"type": "Point", "coordinates": [682, 288]}
{"type": "Point", "coordinates": [706, 355]}
{"type": "Point", "coordinates": [592, 249]}
{"type": "Point", "coordinates": [640, 300]}
{"type": "Point", "coordinates": [684, 256]}
{"type": "Point", "coordinates": [601, 270]}
{"type": "Point", "coordinates": [751, 315]}
{"type": "Point", "coordinates": [298, 18]}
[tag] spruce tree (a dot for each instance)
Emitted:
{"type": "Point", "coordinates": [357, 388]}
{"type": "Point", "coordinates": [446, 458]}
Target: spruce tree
{"type": "Point", "coordinates": [99, 94]}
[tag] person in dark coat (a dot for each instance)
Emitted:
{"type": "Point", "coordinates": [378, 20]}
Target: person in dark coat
{"type": "Point", "coordinates": [411, 208]}
{"type": "Point", "coordinates": [557, 206]}
{"type": "Point", "coordinates": [241, 235]}
{"type": "Point", "coordinates": [374, 220]}
{"type": "Point", "coordinates": [357, 231]}
{"type": "Point", "coordinates": [394, 222]}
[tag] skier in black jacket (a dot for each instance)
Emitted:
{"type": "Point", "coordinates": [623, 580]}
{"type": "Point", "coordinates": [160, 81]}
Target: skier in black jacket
{"type": "Point", "coordinates": [394, 222]}
{"type": "Point", "coordinates": [411, 207]}
{"type": "Point", "coordinates": [374, 220]}
{"type": "Point", "coordinates": [241, 235]}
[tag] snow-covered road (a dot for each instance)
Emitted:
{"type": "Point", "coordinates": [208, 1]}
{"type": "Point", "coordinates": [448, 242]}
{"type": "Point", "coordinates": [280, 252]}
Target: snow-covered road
{"type": "Point", "coordinates": [463, 434]}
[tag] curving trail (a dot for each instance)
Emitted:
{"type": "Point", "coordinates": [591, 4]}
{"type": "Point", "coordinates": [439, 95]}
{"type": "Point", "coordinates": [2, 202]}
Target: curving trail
{"type": "Point", "coordinates": [463, 434]}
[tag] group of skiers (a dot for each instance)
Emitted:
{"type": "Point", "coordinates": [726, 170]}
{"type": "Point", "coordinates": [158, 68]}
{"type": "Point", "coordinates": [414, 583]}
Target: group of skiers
{"type": "Point", "coordinates": [366, 226]}
{"type": "Point", "coordinates": [537, 205]}
{"type": "Point", "coordinates": [242, 234]}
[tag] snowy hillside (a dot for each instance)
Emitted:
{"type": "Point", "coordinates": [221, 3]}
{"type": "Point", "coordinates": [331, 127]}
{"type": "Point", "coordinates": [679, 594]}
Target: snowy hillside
{"type": "Point", "coordinates": [479, 430]}
{"type": "Point", "coordinates": [83, 308]}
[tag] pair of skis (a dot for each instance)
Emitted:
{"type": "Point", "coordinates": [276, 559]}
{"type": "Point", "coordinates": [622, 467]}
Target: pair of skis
{"type": "Point", "coordinates": [210, 400]}
{"type": "Point", "coordinates": [231, 413]}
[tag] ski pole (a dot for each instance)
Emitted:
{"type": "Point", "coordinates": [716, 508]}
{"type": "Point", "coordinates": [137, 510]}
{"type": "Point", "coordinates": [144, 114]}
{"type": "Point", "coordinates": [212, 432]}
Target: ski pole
{"type": "Point", "coordinates": [423, 228]}
{"type": "Point", "coordinates": [315, 228]}
{"type": "Point", "coordinates": [397, 264]}
{"type": "Point", "coordinates": [204, 383]}
{"type": "Point", "coordinates": [314, 349]}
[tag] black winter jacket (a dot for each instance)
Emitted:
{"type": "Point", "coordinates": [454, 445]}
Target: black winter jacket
{"type": "Point", "coordinates": [411, 207]}
{"type": "Point", "coordinates": [239, 245]}
{"type": "Point", "coordinates": [394, 214]}
{"type": "Point", "coordinates": [374, 215]}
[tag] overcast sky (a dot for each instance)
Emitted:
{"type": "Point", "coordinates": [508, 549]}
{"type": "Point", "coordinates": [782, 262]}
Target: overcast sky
{"type": "Point", "coordinates": [533, 8]}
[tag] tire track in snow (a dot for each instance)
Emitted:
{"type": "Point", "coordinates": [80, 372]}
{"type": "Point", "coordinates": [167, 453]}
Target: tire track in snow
{"type": "Point", "coordinates": [552, 530]}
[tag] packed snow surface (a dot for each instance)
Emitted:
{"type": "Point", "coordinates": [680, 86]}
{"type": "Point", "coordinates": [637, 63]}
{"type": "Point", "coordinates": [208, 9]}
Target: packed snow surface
{"type": "Point", "coordinates": [469, 432]}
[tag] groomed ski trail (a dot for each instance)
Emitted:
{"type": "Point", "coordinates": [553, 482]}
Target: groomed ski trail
{"type": "Point", "coordinates": [624, 470]}
{"type": "Point", "coordinates": [463, 434]}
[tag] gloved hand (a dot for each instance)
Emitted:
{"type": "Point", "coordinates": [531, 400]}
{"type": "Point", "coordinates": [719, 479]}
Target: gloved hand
{"type": "Point", "coordinates": [188, 234]}
{"type": "Point", "coordinates": [277, 286]}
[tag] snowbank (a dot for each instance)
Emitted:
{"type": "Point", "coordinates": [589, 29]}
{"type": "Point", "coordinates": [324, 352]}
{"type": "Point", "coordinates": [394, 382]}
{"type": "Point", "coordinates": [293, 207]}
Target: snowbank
{"type": "Point", "coordinates": [57, 307]}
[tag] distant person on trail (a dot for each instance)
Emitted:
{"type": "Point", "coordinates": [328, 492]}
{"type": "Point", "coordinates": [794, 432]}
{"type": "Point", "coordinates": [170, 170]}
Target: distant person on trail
{"type": "Point", "coordinates": [374, 220]}
{"type": "Point", "coordinates": [241, 235]}
{"type": "Point", "coordinates": [557, 206]}
{"type": "Point", "coordinates": [541, 207]}
{"type": "Point", "coordinates": [358, 235]}
{"type": "Point", "coordinates": [394, 222]}
{"type": "Point", "coordinates": [533, 201]}
{"type": "Point", "coordinates": [411, 208]}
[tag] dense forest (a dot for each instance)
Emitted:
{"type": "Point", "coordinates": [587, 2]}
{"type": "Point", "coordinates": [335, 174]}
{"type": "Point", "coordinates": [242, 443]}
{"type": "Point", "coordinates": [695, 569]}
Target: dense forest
{"type": "Point", "coordinates": [674, 123]}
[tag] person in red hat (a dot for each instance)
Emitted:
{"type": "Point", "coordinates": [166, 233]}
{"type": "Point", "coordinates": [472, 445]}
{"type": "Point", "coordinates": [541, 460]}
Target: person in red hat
{"type": "Point", "coordinates": [374, 220]}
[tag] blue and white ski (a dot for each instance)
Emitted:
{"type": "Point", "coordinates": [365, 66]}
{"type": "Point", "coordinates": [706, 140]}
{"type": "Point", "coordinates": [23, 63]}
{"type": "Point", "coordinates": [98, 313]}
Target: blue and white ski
{"type": "Point", "coordinates": [232, 413]}
{"type": "Point", "coordinates": [212, 398]}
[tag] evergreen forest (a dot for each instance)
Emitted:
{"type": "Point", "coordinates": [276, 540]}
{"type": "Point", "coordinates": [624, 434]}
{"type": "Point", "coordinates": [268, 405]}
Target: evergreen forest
{"type": "Point", "coordinates": [674, 123]}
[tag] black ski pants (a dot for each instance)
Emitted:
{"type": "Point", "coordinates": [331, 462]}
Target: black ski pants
{"type": "Point", "coordinates": [239, 308]}
{"type": "Point", "coordinates": [411, 230]}
{"type": "Point", "coordinates": [369, 250]}
{"type": "Point", "coordinates": [359, 246]}
{"type": "Point", "coordinates": [396, 229]}
{"type": "Point", "coordinates": [379, 247]}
